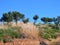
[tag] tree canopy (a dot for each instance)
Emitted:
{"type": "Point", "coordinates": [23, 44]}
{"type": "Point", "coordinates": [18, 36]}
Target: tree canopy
{"type": "Point", "coordinates": [35, 18]}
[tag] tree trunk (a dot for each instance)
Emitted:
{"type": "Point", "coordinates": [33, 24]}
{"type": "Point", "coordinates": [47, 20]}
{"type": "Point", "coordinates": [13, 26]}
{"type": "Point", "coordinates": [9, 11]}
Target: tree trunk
{"type": "Point", "coordinates": [34, 22]}
{"type": "Point", "coordinates": [16, 22]}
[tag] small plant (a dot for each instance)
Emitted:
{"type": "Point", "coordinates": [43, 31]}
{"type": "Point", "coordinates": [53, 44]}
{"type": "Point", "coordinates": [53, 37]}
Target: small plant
{"type": "Point", "coordinates": [7, 34]}
{"type": "Point", "coordinates": [13, 33]}
{"type": "Point", "coordinates": [46, 36]}
{"type": "Point", "coordinates": [5, 40]}
{"type": "Point", "coordinates": [1, 34]}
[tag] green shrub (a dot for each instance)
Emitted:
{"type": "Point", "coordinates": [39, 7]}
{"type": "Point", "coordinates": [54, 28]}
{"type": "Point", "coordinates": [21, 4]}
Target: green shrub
{"type": "Point", "coordinates": [6, 33]}
{"type": "Point", "coordinates": [12, 33]}
{"type": "Point", "coordinates": [53, 35]}
{"type": "Point", "coordinates": [1, 34]}
{"type": "Point", "coordinates": [46, 36]}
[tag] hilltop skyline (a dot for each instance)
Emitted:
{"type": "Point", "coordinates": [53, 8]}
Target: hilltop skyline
{"type": "Point", "coordinates": [43, 8]}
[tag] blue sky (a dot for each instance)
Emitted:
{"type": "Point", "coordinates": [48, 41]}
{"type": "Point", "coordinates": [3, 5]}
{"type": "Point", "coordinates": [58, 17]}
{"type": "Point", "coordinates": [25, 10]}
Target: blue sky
{"type": "Point", "coordinates": [43, 8]}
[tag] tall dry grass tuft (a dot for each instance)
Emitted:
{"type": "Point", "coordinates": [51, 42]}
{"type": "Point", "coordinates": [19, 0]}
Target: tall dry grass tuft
{"type": "Point", "coordinates": [29, 30]}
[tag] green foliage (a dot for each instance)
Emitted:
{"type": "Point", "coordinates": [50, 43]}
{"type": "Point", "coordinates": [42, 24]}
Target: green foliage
{"type": "Point", "coordinates": [35, 18]}
{"type": "Point", "coordinates": [50, 25]}
{"type": "Point", "coordinates": [48, 33]}
{"type": "Point", "coordinates": [46, 19]}
{"type": "Point", "coordinates": [12, 16]}
{"type": "Point", "coordinates": [17, 16]}
{"type": "Point", "coordinates": [58, 19]}
{"type": "Point", "coordinates": [22, 16]}
{"type": "Point", "coordinates": [26, 20]}
{"type": "Point", "coordinates": [12, 33]}
{"type": "Point", "coordinates": [1, 34]}
{"type": "Point", "coordinates": [46, 36]}
{"type": "Point", "coordinates": [57, 22]}
{"type": "Point", "coordinates": [6, 33]}
{"type": "Point", "coordinates": [7, 17]}
{"type": "Point", "coordinates": [16, 28]}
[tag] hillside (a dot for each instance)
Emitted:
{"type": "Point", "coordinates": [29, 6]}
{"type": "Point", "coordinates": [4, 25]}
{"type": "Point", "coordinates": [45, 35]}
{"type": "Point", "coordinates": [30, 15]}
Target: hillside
{"type": "Point", "coordinates": [30, 34]}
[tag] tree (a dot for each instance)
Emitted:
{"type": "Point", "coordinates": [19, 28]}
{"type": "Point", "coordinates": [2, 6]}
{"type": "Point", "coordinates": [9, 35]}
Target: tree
{"type": "Point", "coordinates": [58, 19]}
{"type": "Point", "coordinates": [49, 19]}
{"type": "Point", "coordinates": [10, 16]}
{"type": "Point", "coordinates": [17, 16]}
{"type": "Point", "coordinates": [44, 19]}
{"type": "Point", "coordinates": [25, 20]}
{"type": "Point", "coordinates": [1, 19]}
{"type": "Point", "coordinates": [22, 17]}
{"type": "Point", "coordinates": [54, 20]}
{"type": "Point", "coordinates": [7, 17]}
{"type": "Point", "coordinates": [57, 22]}
{"type": "Point", "coordinates": [35, 18]}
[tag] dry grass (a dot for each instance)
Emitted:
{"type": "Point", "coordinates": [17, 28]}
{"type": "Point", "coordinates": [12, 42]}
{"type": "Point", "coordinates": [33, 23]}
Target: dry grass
{"type": "Point", "coordinates": [31, 33]}
{"type": "Point", "coordinates": [28, 29]}
{"type": "Point", "coordinates": [22, 42]}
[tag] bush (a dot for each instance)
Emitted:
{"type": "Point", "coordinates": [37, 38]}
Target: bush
{"type": "Point", "coordinates": [1, 34]}
{"type": "Point", "coordinates": [5, 34]}
{"type": "Point", "coordinates": [6, 40]}
{"type": "Point", "coordinates": [12, 33]}
{"type": "Point", "coordinates": [47, 34]}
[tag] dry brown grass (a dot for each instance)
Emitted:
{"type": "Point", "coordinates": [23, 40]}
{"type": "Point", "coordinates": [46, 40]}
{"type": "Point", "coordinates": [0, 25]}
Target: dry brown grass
{"type": "Point", "coordinates": [22, 42]}
{"type": "Point", "coordinates": [31, 33]}
{"type": "Point", "coordinates": [28, 29]}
